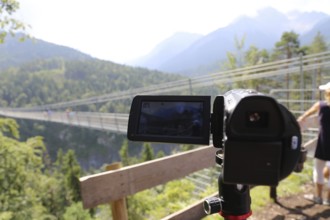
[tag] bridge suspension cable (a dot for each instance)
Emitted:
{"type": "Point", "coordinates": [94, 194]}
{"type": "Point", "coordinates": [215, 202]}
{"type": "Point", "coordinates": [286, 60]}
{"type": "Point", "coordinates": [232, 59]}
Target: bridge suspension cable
{"type": "Point", "coordinates": [272, 69]}
{"type": "Point", "coordinates": [117, 122]}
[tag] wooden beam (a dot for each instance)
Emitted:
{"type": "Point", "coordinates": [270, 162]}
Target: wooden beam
{"type": "Point", "coordinates": [113, 185]}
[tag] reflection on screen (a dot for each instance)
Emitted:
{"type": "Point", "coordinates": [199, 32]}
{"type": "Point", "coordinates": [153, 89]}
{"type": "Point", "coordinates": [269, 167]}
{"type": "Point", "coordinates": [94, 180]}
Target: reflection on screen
{"type": "Point", "coordinates": [168, 118]}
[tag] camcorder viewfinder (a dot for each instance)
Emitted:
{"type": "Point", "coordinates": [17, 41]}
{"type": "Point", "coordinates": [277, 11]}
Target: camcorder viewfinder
{"type": "Point", "coordinates": [259, 139]}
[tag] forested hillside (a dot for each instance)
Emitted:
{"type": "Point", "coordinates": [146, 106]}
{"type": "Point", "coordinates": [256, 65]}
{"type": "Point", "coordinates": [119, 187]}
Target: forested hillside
{"type": "Point", "coordinates": [56, 80]}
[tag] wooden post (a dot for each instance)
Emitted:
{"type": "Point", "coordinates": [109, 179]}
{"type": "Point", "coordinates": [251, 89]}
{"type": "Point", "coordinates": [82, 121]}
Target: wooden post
{"type": "Point", "coordinates": [118, 207]}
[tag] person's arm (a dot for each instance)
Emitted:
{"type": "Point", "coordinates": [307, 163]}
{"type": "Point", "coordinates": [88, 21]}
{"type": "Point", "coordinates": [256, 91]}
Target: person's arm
{"type": "Point", "coordinates": [312, 110]}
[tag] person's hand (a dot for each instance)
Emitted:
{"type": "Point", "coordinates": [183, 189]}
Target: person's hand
{"type": "Point", "coordinates": [301, 119]}
{"type": "Point", "coordinates": [301, 123]}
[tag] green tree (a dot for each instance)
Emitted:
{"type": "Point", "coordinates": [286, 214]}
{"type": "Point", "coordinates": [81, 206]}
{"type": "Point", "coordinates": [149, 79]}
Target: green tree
{"type": "Point", "coordinates": [147, 152]}
{"type": "Point", "coordinates": [288, 46]}
{"type": "Point", "coordinates": [76, 211]}
{"type": "Point", "coordinates": [124, 153]}
{"type": "Point", "coordinates": [254, 56]}
{"type": "Point", "coordinates": [72, 172]}
{"type": "Point", "coordinates": [53, 189]}
{"type": "Point", "coordinates": [160, 154]}
{"type": "Point", "coordinates": [160, 201]}
{"type": "Point", "coordinates": [231, 62]}
{"type": "Point", "coordinates": [187, 147]}
{"type": "Point", "coordinates": [7, 21]}
{"type": "Point", "coordinates": [235, 59]}
{"type": "Point", "coordinates": [318, 45]}
{"type": "Point", "coordinates": [20, 173]}
{"type": "Point", "coordinates": [175, 196]}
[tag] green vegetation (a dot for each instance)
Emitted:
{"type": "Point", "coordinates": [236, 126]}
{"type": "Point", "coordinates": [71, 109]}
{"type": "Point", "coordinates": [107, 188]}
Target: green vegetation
{"type": "Point", "coordinates": [56, 80]}
{"type": "Point", "coordinates": [161, 201]}
{"type": "Point", "coordinates": [31, 186]}
{"type": "Point", "coordinates": [7, 21]}
{"type": "Point", "coordinates": [40, 162]}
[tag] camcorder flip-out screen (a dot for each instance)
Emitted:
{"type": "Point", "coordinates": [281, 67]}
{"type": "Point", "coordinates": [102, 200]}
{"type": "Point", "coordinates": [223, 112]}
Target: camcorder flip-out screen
{"type": "Point", "coordinates": [173, 119]}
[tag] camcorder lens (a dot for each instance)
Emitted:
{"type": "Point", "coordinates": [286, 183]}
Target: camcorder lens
{"type": "Point", "coordinates": [256, 119]}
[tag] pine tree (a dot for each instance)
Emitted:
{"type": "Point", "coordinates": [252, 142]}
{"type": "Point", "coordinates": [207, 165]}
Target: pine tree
{"type": "Point", "coordinates": [147, 153]}
{"type": "Point", "coordinates": [72, 172]}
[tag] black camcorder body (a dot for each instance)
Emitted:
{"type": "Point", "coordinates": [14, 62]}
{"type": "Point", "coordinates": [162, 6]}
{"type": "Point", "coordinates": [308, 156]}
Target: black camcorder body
{"type": "Point", "coordinates": [259, 139]}
{"type": "Point", "coordinates": [262, 139]}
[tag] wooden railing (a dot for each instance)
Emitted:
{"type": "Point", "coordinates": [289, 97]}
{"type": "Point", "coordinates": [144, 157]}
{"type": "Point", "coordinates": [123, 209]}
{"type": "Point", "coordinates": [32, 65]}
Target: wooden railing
{"type": "Point", "coordinates": [110, 186]}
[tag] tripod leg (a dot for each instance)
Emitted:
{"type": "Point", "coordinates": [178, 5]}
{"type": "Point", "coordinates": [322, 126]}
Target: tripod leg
{"type": "Point", "coordinates": [273, 193]}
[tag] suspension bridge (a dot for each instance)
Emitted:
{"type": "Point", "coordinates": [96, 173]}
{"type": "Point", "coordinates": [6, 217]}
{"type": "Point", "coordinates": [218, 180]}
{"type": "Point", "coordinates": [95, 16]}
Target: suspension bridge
{"type": "Point", "coordinates": [117, 122]}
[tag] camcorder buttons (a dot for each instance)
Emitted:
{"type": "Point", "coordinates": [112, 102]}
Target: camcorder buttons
{"type": "Point", "coordinates": [294, 143]}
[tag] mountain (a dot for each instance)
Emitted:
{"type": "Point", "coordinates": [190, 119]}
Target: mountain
{"type": "Point", "coordinates": [263, 30]}
{"type": "Point", "coordinates": [215, 45]}
{"type": "Point", "coordinates": [323, 27]}
{"type": "Point", "coordinates": [13, 52]}
{"type": "Point", "coordinates": [166, 49]}
{"type": "Point", "coordinates": [304, 22]}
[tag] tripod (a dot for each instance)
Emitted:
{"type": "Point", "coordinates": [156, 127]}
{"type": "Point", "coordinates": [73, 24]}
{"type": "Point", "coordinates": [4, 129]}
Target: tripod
{"type": "Point", "coordinates": [234, 199]}
{"type": "Point", "coordinates": [233, 203]}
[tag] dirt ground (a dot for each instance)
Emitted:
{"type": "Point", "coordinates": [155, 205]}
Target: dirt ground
{"type": "Point", "coordinates": [293, 208]}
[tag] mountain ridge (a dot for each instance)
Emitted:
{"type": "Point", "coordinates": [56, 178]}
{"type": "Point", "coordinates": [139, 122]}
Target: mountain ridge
{"type": "Point", "coordinates": [262, 31]}
{"type": "Point", "coordinates": [168, 48]}
{"type": "Point", "coordinates": [14, 53]}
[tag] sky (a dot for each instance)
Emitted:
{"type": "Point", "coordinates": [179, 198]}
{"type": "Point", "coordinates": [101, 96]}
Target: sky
{"type": "Point", "coordinates": [123, 30]}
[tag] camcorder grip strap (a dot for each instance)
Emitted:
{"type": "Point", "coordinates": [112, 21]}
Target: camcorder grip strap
{"type": "Point", "coordinates": [217, 121]}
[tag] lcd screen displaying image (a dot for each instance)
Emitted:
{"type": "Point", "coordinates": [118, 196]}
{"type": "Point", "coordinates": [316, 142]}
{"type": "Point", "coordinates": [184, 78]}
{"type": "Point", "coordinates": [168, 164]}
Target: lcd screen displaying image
{"type": "Point", "coordinates": [171, 118]}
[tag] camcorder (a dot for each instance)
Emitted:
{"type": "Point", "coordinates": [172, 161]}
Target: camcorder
{"type": "Point", "coordinates": [259, 140]}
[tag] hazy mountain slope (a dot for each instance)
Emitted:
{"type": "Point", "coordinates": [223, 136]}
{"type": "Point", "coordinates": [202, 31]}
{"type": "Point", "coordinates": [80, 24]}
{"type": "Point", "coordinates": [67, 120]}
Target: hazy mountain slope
{"type": "Point", "coordinates": [166, 49]}
{"type": "Point", "coordinates": [323, 27]}
{"type": "Point", "coordinates": [215, 45]}
{"type": "Point", "coordinates": [304, 22]}
{"type": "Point", "coordinates": [13, 52]}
